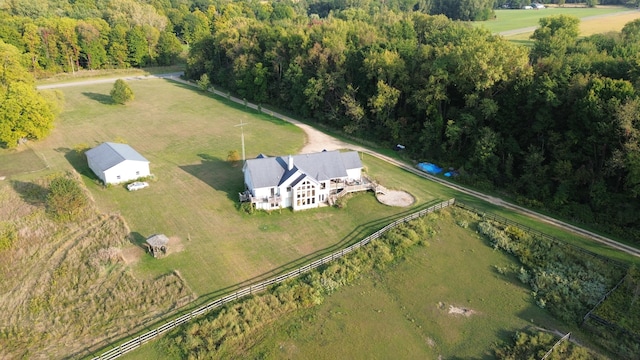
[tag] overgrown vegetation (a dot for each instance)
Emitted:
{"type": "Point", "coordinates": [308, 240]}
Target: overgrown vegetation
{"type": "Point", "coordinates": [65, 285]}
{"type": "Point", "coordinates": [535, 344]}
{"type": "Point", "coordinates": [620, 331]}
{"type": "Point", "coordinates": [66, 200]}
{"type": "Point", "coordinates": [563, 279]}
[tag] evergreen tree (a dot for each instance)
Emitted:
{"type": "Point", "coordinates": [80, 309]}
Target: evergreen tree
{"type": "Point", "coordinates": [121, 92]}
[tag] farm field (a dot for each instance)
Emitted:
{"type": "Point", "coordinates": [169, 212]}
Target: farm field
{"type": "Point", "coordinates": [613, 23]}
{"type": "Point", "coordinates": [407, 310]}
{"type": "Point", "coordinates": [517, 19]}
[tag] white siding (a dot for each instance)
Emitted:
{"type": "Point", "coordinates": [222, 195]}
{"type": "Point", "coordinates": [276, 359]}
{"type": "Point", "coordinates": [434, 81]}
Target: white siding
{"type": "Point", "coordinates": [354, 174]}
{"type": "Point", "coordinates": [125, 171]}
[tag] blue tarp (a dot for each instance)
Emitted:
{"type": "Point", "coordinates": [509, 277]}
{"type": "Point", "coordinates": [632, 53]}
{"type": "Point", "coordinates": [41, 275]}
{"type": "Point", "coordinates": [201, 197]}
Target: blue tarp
{"type": "Point", "coordinates": [430, 168]}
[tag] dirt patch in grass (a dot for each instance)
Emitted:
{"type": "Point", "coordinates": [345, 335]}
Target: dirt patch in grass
{"type": "Point", "coordinates": [174, 245]}
{"type": "Point", "coordinates": [460, 311]}
{"type": "Point", "coordinates": [396, 198]}
{"type": "Point", "coordinates": [131, 255]}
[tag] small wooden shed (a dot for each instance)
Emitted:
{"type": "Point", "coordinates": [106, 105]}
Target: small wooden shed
{"type": "Point", "coordinates": [157, 244]}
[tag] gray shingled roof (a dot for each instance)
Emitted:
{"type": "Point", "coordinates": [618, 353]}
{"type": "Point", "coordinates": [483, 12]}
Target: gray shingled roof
{"type": "Point", "coordinates": [108, 155]}
{"type": "Point", "coordinates": [322, 166]}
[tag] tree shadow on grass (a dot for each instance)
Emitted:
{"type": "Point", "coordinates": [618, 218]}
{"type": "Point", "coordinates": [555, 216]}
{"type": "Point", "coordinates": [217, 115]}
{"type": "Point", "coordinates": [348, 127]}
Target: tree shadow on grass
{"type": "Point", "coordinates": [31, 193]}
{"type": "Point", "coordinates": [220, 175]}
{"type": "Point", "coordinates": [101, 98]}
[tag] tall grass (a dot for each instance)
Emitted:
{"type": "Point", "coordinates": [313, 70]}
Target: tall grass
{"type": "Point", "coordinates": [64, 285]}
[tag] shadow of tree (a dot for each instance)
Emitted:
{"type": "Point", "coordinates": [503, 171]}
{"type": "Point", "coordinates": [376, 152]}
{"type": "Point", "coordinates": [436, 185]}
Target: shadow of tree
{"type": "Point", "coordinates": [218, 174]}
{"type": "Point", "coordinates": [31, 193]}
{"type": "Point", "coordinates": [101, 98]}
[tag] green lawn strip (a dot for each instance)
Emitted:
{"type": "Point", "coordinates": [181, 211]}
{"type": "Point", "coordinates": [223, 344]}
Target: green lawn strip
{"type": "Point", "coordinates": [516, 18]}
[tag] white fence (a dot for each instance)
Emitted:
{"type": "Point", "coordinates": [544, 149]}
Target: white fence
{"type": "Point", "coordinates": [150, 335]}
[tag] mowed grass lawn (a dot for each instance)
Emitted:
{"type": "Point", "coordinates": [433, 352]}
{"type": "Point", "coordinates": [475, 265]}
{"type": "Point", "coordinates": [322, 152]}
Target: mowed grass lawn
{"type": "Point", "coordinates": [402, 312]}
{"type": "Point", "coordinates": [512, 19]}
{"type": "Point", "coordinates": [186, 135]}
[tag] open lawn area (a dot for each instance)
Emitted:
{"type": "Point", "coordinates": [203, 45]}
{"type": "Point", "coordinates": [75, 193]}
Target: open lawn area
{"type": "Point", "coordinates": [517, 18]}
{"type": "Point", "coordinates": [443, 300]}
{"type": "Point", "coordinates": [186, 135]}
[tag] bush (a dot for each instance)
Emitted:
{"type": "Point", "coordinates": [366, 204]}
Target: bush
{"type": "Point", "coordinates": [66, 200]}
{"type": "Point", "coordinates": [121, 92]}
{"type": "Point", "coordinates": [8, 235]}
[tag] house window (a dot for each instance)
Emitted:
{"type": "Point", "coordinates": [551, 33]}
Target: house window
{"type": "Point", "coordinates": [306, 193]}
{"type": "Point", "coordinates": [118, 177]}
{"type": "Point", "coordinates": [137, 173]}
{"type": "Point", "coordinates": [323, 186]}
{"type": "Point", "coordinates": [289, 189]}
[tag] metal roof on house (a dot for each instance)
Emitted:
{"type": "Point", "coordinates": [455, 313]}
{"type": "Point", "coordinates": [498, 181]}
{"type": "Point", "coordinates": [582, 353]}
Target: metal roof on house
{"type": "Point", "coordinates": [321, 166]}
{"type": "Point", "coordinates": [108, 155]}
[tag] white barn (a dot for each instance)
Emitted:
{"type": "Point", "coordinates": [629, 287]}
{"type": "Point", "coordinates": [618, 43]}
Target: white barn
{"type": "Point", "coordinates": [115, 163]}
{"type": "Point", "coordinates": [300, 181]}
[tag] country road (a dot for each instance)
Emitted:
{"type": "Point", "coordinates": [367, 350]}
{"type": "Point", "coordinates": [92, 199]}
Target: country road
{"type": "Point", "coordinates": [318, 141]}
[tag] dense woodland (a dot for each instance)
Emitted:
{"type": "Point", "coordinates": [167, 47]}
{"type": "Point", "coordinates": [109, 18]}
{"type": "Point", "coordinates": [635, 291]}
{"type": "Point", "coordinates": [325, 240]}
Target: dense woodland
{"type": "Point", "coordinates": [556, 126]}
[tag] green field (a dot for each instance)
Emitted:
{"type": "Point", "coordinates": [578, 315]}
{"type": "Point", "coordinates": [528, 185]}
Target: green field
{"type": "Point", "coordinates": [517, 19]}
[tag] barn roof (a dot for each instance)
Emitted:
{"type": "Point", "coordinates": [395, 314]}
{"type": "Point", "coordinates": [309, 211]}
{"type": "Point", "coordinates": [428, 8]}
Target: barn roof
{"type": "Point", "coordinates": [321, 166]}
{"type": "Point", "coordinates": [108, 155]}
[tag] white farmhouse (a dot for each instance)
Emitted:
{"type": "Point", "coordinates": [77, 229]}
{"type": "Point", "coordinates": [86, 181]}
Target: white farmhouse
{"type": "Point", "coordinates": [301, 181]}
{"type": "Point", "coordinates": [115, 163]}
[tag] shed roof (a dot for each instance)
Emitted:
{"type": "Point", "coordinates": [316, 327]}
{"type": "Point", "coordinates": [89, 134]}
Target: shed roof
{"type": "Point", "coordinates": [322, 166]}
{"type": "Point", "coordinates": [108, 155]}
{"type": "Point", "coordinates": [157, 240]}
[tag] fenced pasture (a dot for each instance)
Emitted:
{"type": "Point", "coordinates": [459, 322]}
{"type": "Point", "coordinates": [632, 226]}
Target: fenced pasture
{"type": "Point", "coordinates": [135, 343]}
{"type": "Point", "coordinates": [512, 19]}
{"type": "Point", "coordinates": [404, 311]}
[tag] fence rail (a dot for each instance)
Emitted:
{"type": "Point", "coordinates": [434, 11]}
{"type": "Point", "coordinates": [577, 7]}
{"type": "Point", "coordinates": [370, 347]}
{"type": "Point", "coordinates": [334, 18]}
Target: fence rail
{"type": "Point", "coordinates": [253, 288]}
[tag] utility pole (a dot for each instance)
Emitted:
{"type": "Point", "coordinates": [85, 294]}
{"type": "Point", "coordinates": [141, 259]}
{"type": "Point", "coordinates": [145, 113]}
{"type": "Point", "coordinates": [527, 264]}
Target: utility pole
{"type": "Point", "coordinates": [242, 132]}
